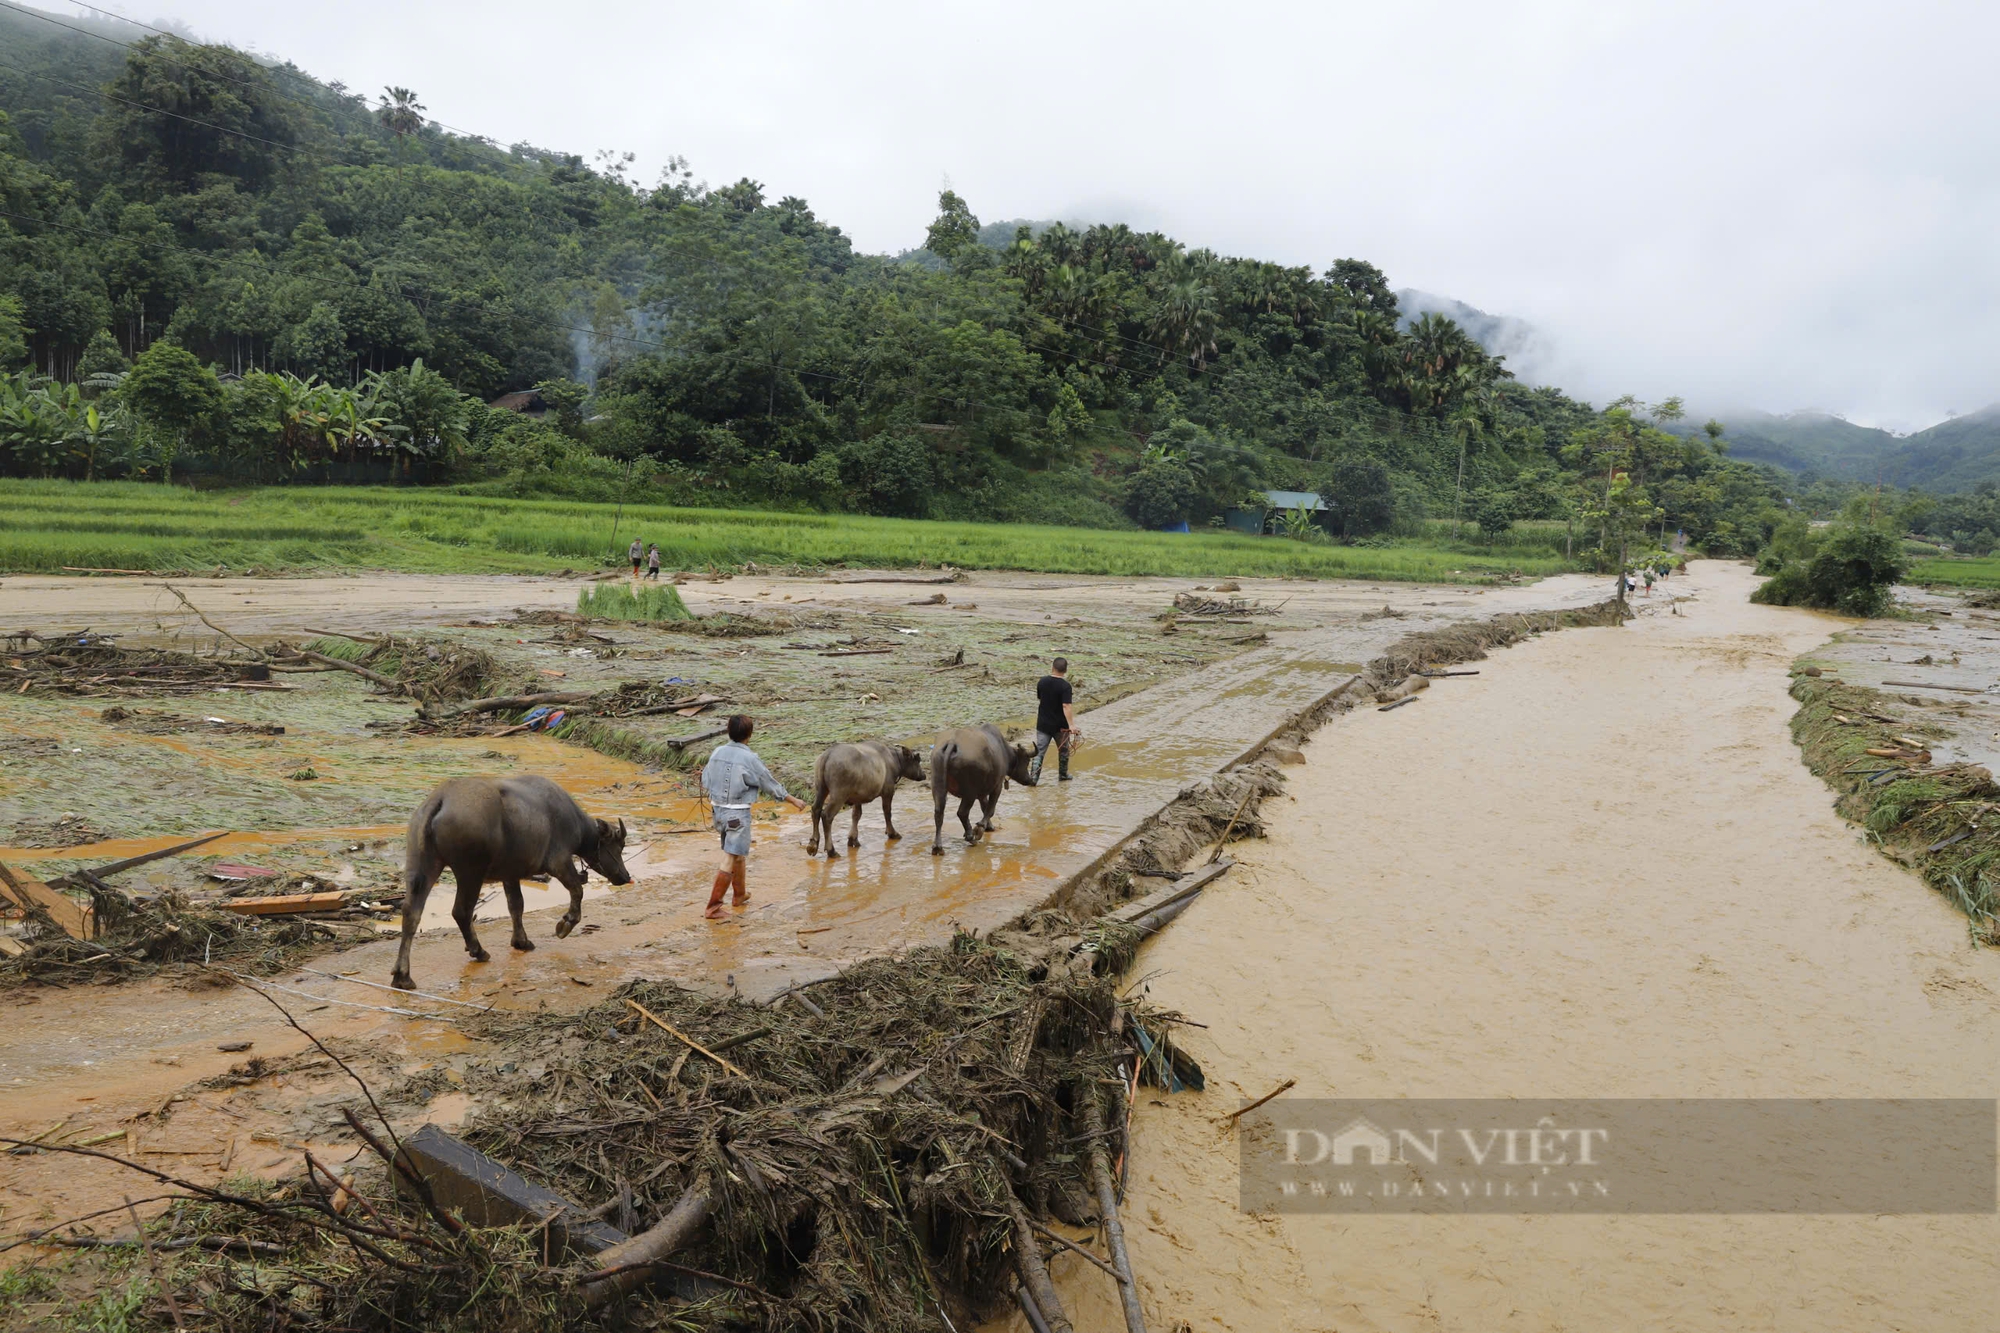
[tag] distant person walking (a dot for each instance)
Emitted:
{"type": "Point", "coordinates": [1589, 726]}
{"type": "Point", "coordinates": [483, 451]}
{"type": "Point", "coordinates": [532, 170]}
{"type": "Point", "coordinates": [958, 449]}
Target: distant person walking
{"type": "Point", "coordinates": [653, 561]}
{"type": "Point", "coordinates": [636, 554]}
{"type": "Point", "coordinates": [1650, 577]}
{"type": "Point", "coordinates": [1055, 718]}
{"type": "Point", "coordinates": [733, 778]}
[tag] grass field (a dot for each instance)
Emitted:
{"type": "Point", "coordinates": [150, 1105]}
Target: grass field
{"type": "Point", "coordinates": [1957, 571]}
{"type": "Point", "coordinates": [46, 526]}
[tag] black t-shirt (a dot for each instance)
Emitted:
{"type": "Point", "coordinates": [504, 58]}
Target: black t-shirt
{"type": "Point", "coordinates": [1054, 692]}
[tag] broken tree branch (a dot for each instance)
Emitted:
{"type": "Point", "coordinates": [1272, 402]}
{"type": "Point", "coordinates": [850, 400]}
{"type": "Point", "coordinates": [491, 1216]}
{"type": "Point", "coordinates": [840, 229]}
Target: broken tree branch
{"type": "Point", "coordinates": [1034, 1273]}
{"type": "Point", "coordinates": [210, 623]}
{"type": "Point", "coordinates": [1107, 1211]}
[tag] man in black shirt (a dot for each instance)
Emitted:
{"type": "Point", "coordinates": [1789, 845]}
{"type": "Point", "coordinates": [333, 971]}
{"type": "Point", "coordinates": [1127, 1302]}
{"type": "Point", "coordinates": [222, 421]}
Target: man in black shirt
{"type": "Point", "coordinates": [1055, 719]}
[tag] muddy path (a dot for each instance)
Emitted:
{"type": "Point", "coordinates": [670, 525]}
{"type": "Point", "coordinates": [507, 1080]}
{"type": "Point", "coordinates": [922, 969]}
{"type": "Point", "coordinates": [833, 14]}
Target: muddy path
{"type": "Point", "coordinates": [1596, 870]}
{"type": "Point", "coordinates": [98, 1058]}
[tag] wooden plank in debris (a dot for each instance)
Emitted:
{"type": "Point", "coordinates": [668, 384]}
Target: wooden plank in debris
{"type": "Point", "coordinates": [285, 904]}
{"type": "Point", "coordinates": [12, 947]}
{"type": "Point", "coordinates": [1924, 685]}
{"type": "Point", "coordinates": [77, 921]}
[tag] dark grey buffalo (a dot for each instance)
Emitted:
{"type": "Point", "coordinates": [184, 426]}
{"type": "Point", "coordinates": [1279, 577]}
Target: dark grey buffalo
{"type": "Point", "coordinates": [852, 775]}
{"type": "Point", "coordinates": [973, 764]}
{"type": "Point", "coordinates": [508, 829]}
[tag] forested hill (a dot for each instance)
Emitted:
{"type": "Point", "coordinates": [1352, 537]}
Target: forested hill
{"type": "Point", "coordinates": [1954, 455]}
{"type": "Point", "coordinates": [211, 267]}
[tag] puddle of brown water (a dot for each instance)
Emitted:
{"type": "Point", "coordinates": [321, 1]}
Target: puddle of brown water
{"type": "Point", "coordinates": [1598, 869]}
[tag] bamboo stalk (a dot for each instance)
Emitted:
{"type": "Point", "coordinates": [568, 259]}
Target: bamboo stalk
{"type": "Point", "coordinates": [664, 1025]}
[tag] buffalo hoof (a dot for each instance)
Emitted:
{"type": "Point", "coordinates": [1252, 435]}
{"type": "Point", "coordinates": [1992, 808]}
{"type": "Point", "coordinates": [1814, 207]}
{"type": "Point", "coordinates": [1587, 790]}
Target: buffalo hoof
{"type": "Point", "coordinates": [854, 842]}
{"type": "Point", "coordinates": [937, 849]}
{"type": "Point", "coordinates": [402, 981]}
{"type": "Point", "coordinates": [564, 925]}
{"type": "Point", "coordinates": [478, 956]}
{"type": "Point", "coordinates": [524, 944]}
{"type": "Point", "coordinates": [895, 836]}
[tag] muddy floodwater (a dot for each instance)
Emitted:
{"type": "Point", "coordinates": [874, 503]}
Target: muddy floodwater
{"type": "Point", "coordinates": [1597, 869]}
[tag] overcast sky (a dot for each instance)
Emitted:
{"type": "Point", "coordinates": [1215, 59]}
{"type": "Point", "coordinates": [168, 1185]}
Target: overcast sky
{"type": "Point", "coordinates": [1771, 205]}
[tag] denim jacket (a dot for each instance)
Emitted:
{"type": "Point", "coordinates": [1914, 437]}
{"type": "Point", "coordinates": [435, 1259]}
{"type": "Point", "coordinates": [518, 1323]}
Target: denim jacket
{"type": "Point", "coordinates": [734, 775]}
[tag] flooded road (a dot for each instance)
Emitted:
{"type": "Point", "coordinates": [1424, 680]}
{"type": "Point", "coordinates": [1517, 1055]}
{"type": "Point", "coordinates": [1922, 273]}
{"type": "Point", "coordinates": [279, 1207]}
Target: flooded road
{"type": "Point", "coordinates": [1598, 869]}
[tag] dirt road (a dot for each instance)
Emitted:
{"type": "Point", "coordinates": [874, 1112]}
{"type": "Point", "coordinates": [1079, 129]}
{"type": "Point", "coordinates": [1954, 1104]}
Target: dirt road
{"type": "Point", "coordinates": [1596, 870]}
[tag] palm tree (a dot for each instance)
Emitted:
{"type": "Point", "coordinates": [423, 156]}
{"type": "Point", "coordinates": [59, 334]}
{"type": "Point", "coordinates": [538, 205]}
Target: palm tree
{"type": "Point", "coordinates": [402, 115]}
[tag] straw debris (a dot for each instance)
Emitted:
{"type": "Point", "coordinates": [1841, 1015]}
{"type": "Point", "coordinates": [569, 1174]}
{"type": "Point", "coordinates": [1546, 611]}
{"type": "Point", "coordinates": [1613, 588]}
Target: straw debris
{"type": "Point", "coordinates": [1942, 822]}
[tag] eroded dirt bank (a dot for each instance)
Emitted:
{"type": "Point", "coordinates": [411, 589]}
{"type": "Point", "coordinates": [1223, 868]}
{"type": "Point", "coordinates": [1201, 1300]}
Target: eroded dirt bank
{"type": "Point", "coordinates": [1597, 869]}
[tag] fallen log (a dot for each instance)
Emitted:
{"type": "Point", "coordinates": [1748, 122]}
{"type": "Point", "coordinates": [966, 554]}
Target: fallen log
{"type": "Point", "coordinates": [857, 652]}
{"type": "Point", "coordinates": [1390, 708]}
{"type": "Point", "coordinates": [508, 702]}
{"type": "Point", "coordinates": [284, 904]}
{"type": "Point", "coordinates": [697, 739]}
{"type": "Point", "coordinates": [1921, 685]}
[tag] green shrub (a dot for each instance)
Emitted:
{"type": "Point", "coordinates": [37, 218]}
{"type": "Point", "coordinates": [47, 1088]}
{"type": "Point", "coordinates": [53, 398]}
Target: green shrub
{"type": "Point", "coordinates": [1161, 494]}
{"type": "Point", "coordinates": [1850, 569]}
{"type": "Point", "coordinates": [615, 601]}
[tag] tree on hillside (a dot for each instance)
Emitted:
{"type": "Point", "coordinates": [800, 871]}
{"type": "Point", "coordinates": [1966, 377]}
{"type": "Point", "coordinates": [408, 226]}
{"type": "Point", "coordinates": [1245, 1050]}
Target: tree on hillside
{"type": "Point", "coordinates": [955, 229]}
{"type": "Point", "coordinates": [179, 115]}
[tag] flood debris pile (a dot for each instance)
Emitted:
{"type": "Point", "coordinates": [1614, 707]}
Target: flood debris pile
{"type": "Point", "coordinates": [155, 722]}
{"type": "Point", "coordinates": [426, 670]}
{"type": "Point", "coordinates": [1941, 820]}
{"type": "Point", "coordinates": [873, 1153]}
{"type": "Point", "coordinates": [83, 663]}
{"type": "Point", "coordinates": [79, 929]}
{"type": "Point", "coordinates": [1191, 604]}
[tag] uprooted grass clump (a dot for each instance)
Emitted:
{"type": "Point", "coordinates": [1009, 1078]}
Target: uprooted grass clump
{"type": "Point", "coordinates": [615, 601]}
{"type": "Point", "coordinates": [1943, 822]}
{"type": "Point", "coordinates": [869, 1158]}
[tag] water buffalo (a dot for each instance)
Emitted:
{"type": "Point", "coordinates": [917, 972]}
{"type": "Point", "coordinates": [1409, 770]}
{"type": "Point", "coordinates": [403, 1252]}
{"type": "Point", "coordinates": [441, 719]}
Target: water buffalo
{"type": "Point", "coordinates": [973, 764]}
{"type": "Point", "coordinates": [506, 829]}
{"type": "Point", "coordinates": [852, 776]}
